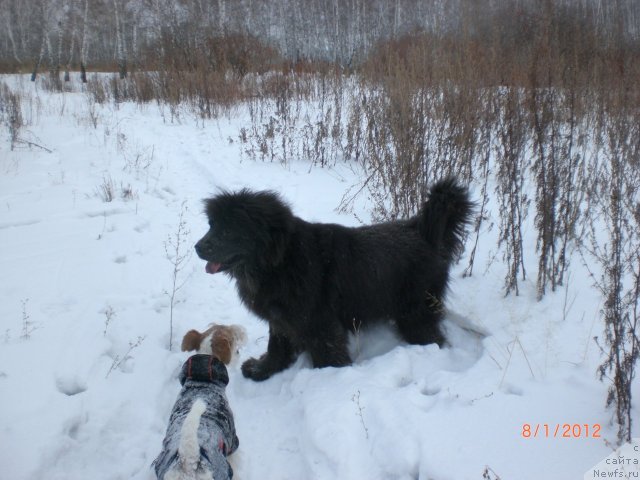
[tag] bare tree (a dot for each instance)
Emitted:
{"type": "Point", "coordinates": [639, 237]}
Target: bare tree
{"type": "Point", "coordinates": [42, 16]}
{"type": "Point", "coordinates": [9, 16]}
{"type": "Point", "coordinates": [84, 44]}
{"type": "Point", "coordinates": [121, 56]}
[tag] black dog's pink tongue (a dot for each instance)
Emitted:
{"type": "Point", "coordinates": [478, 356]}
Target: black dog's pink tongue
{"type": "Point", "coordinates": [213, 267]}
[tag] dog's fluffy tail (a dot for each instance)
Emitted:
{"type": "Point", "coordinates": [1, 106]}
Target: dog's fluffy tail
{"type": "Point", "coordinates": [444, 216]}
{"type": "Point", "coordinates": [189, 448]}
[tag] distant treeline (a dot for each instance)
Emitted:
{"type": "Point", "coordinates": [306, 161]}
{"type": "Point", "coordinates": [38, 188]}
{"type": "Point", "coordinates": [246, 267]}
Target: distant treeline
{"type": "Point", "coordinates": [135, 34]}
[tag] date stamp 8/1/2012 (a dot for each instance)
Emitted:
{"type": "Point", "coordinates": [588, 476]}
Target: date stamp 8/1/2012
{"type": "Point", "coordinates": [561, 430]}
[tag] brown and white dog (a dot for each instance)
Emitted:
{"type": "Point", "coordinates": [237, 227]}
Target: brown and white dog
{"type": "Point", "coordinates": [221, 341]}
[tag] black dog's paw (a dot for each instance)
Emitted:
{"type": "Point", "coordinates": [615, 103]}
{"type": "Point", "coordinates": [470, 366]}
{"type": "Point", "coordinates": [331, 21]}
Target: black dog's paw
{"type": "Point", "coordinates": [256, 369]}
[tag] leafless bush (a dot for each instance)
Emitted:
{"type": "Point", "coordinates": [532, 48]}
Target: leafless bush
{"type": "Point", "coordinates": [482, 215]}
{"type": "Point", "coordinates": [296, 117]}
{"type": "Point", "coordinates": [175, 252]}
{"type": "Point", "coordinates": [96, 90]}
{"type": "Point", "coordinates": [28, 326]}
{"type": "Point", "coordinates": [511, 173]}
{"type": "Point", "coordinates": [52, 82]}
{"type": "Point", "coordinates": [11, 113]}
{"type": "Point", "coordinates": [556, 169]}
{"type": "Point", "coordinates": [614, 199]}
{"type": "Point", "coordinates": [138, 159]}
{"type": "Point", "coordinates": [127, 193]}
{"type": "Point", "coordinates": [120, 360]}
{"type": "Point", "coordinates": [274, 121]}
{"type": "Point", "coordinates": [360, 412]}
{"type": "Point", "coordinates": [399, 159]}
{"type": "Point", "coordinates": [106, 191]}
{"type": "Point", "coordinates": [209, 77]}
{"type": "Point", "coordinates": [109, 313]}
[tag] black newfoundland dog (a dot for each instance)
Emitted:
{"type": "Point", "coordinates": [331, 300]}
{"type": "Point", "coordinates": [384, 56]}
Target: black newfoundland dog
{"type": "Point", "coordinates": [315, 282]}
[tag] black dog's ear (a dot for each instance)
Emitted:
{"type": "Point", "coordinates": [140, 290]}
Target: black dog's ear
{"type": "Point", "coordinates": [209, 207]}
{"type": "Point", "coordinates": [272, 222]}
{"type": "Point", "coordinates": [271, 241]}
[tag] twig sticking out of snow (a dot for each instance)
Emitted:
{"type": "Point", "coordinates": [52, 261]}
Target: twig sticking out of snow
{"type": "Point", "coordinates": [174, 249]}
{"type": "Point", "coordinates": [356, 400]}
{"type": "Point", "coordinates": [118, 360]}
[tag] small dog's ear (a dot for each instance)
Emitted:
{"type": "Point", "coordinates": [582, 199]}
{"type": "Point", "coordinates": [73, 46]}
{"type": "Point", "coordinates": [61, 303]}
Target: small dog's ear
{"type": "Point", "coordinates": [225, 341]}
{"type": "Point", "coordinates": [191, 341]}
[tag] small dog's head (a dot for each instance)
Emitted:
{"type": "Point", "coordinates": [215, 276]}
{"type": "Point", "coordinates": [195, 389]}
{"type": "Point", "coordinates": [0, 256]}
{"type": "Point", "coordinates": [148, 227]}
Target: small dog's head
{"type": "Point", "coordinates": [245, 228]}
{"type": "Point", "coordinates": [221, 341]}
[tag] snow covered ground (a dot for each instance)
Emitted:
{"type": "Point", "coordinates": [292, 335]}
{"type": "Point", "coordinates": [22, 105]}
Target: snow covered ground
{"type": "Point", "coordinates": [87, 380]}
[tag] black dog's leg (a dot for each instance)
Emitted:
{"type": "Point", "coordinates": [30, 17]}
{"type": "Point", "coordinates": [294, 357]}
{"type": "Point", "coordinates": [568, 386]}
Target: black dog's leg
{"type": "Point", "coordinates": [329, 348]}
{"type": "Point", "coordinates": [421, 325]}
{"type": "Point", "coordinates": [280, 354]}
